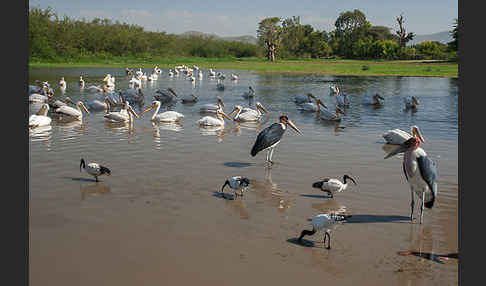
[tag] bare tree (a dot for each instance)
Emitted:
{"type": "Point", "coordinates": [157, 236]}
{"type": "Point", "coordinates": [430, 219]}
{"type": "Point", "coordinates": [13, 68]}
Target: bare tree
{"type": "Point", "coordinates": [269, 36]}
{"type": "Point", "coordinates": [403, 37]}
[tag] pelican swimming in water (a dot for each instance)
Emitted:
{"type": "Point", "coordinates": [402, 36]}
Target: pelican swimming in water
{"type": "Point", "coordinates": [249, 94]}
{"type": "Point", "coordinates": [81, 81]}
{"type": "Point", "coordinates": [411, 102]}
{"type": "Point", "coordinates": [135, 82]}
{"type": "Point", "coordinates": [329, 116]}
{"type": "Point", "coordinates": [110, 81]}
{"type": "Point", "coordinates": [249, 115]}
{"type": "Point", "coordinates": [70, 112]}
{"type": "Point", "coordinates": [133, 95]}
{"type": "Point", "coordinates": [420, 172]}
{"type": "Point", "coordinates": [94, 169]}
{"type": "Point", "coordinates": [168, 116]}
{"type": "Point", "coordinates": [375, 99]}
{"type": "Point", "coordinates": [234, 76]}
{"type": "Point", "coordinates": [331, 185]}
{"type": "Point", "coordinates": [312, 106]}
{"type": "Point", "coordinates": [269, 137]}
{"type": "Point", "coordinates": [62, 84]}
{"type": "Point", "coordinates": [212, 108]}
{"type": "Point", "coordinates": [40, 118]}
{"type": "Point", "coordinates": [191, 98]}
{"type": "Point", "coordinates": [333, 90]}
{"type": "Point", "coordinates": [237, 184]}
{"type": "Point", "coordinates": [398, 136]}
{"type": "Point", "coordinates": [41, 98]}
{"type": "Point", "coordinates": [342, 99]}
{"type": "Point", "coordinates": [302, 98]}
{"type": "Point", "coordinates": [124, 115]}
{"type": "Point", "coordinates": [214, 121]}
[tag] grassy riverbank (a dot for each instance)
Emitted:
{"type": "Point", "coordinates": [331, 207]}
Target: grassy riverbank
{"type": "Point", "coordinates": [311, 66]}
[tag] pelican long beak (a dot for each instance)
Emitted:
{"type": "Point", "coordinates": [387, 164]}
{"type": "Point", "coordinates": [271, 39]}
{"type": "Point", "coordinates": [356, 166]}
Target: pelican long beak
{"type": "Point", "coordinates": [262, 108]}
{"type": "Point", "coordinates": [84, 108]}
{"type": "Point", "coordinates": [323, 105]}
{"type": "Point", "coordinates": [400, 149]}
{"type": "Point", "coordinates": [293, 126]}
{"type": "Point", "coordinates": [339, 111]}
{"type": "Point", "coordinates": [416, 133]}
{"type": "Point", "coordinates": [233, 111]}
{"type": "Point", "coordinates": [172, 91]}
{"type": "Point", "coordinates": [147, 110]}
{"type": "Point", "coordinates": [225, 116]}
{"type": "Point", "coordinates": [107, 77]}
{"type": "Point", "coordinates": [380, 97]}
{"type": "Point", "coordinates": [310, 95]}
{"type": "Point", "coordinates": [130, 109]}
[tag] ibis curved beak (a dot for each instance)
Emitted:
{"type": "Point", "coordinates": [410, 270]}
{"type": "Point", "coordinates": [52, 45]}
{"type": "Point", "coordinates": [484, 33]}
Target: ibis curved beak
{"type": "Point", "coordinates": [293, 126]}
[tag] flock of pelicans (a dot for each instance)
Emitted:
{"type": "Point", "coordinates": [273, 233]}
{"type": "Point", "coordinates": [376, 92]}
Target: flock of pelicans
{"type": "Point", "coordinates": [419, 170]}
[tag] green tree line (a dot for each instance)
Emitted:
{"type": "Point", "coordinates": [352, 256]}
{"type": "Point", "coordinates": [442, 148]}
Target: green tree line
{"type": "Point", "coordinates": [56, 39]}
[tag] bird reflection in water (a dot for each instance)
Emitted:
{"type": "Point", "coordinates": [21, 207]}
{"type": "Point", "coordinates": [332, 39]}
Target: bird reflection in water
{"type": "Point", "coordinates": [41, 134]}
{"type": "Point", "coordinates": [157, 126]}
{"type": "Point", "coordinates": [239, 207]}
{"type": "Point", "coordinates": [330, 206]}
{"type": "Point", "coordinates": [268, 189]}
{"type": "Point", "coordinates": [94, 190]}
{"type": "Point", "coordinates": [218, 131]}
{"type": "Point", "coordinates": [70, 130]}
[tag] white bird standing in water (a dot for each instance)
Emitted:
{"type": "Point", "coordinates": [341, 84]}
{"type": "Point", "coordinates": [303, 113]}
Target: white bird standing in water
{"type": "Point", "coordinates": [332, 186]}
{"type": "Point", "coordinates": [324, 223]}
{"type": "Point", "coordinates": [94, 169]}
{"type": "Point", "coordinates": [237, 184]}
{"type": "Point", "coordinates": [168, 116]}
{"type": "Point", "coordinates": [40, 118]}
{"type": "Point", "coordinates": [62, 84]}
{"type": "Point", "coordinates": [420, 172]}
{"type": "Point", "coordinates": [398, 136]}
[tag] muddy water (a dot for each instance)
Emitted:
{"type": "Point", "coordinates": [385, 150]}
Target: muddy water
{"type": "Point", "coordinates": [159, 218]}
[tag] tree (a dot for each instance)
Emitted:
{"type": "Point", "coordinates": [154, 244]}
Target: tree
{"type": "Point", "coordinates": [454, 33]}
{"type": "Point", "coordinates": [269, 36]}
{"type": "Point", "coordinates": [351, 26]}
{"type": "Point", "coordinates": [403, 37]}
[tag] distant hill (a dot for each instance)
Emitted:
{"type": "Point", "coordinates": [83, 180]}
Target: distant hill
{"type": "Point", "coordinates": [443, 37]}
{"type": "Point", "coordinates": [244, 39]}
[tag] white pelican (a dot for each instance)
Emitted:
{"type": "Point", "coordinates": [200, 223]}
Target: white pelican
{"type": "Point", "coordinates": [234, 76]}
{"type": "Point", "coordinates": [375, 99]}
{"type": "Point", "coordinates": [212, 73]}
{"type": "Point", "coordinates": [329, 116]}
{"type": "Point", "coordinates": [214, 121]}
{"type": "Point", "coordinates": [332, 185]}
{"type": "Point", "coordinates": [168, 116]}
{"type": "Point", "coordinates": [98, 105]}
{"type": "Point", "coordinates": [58, 103]}
{"type": "Point", "coordinates": [398, 136]}
{"type": "Point", "coordinates": [249, 94]}
{"type": "Point", "coordinates": [124, 115]}
{"type": "Point", "coordinates": [420, 172]}
{"type": "Point", "coordinates": [311, 106]}
{"type": "Point", "coordinates": [135, 82]}
{"type": "Point", "coordinates": [144, 76]}
{"type": "Point", "coordinates": [40, 118]}
{"type": "Point", "coordinates": [94, 169]}
{"type": "Point", "coordinates": [200, 75]}
{"type": "Point", "coordinates": [411, 102]}
{"type": "Point", "coordinates": [250, 115]}
{"type": "Point", "coordinates": [166, 97]}
{"type": "Point", "coordinates": [333, 90]}
{"type": "Point", "coordinates": [62, 83]}
{"type": "Point", "coordinates": [301, 98]}
{"type": "Point", "coordinates": [110, 81]}
{"type": "Point", "coordinates": [70, 112]}
{"type": "Point", "coordinates": [157, 70]}
{"type": "Point", "coordinates": [36, 88]}
{"type": "Point", "coordinates": [153, 77]}
{"type": "Point", "coordinates": [269, 137]}
{"type": "Point", "coordinates": [324, 223]}
{"type": "Point", "coordinates": [40, 98]}
{"type": "Point", "coordinates": [139, 73]}
{"type": "Point", "coordinates": [211, 108]}
{"type": "Point", "coordinates": [81, 81]}
{"type": "Point", "coordinates": [342, 100]}
{"type": "Point", "coordinates": [171, 73]}
{"type": "Point", "coordinates": [133, 95]}
{"type": "Point", "coordinates": [237, 184]}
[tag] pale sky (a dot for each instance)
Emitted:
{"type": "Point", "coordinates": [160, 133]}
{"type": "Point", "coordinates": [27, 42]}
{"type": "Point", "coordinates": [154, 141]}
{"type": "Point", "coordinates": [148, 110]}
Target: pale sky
{"type": "Point", "coordinates": [238, 18]}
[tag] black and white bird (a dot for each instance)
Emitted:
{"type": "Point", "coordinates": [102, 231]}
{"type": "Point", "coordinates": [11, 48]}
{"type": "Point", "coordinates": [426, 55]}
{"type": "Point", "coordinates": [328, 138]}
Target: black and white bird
{"type": "Point", "coordinates": [411, 102]}
{"type": "Point", "coordinates": [324, 223]}
{"type": "Point", "coordinates": [331, 185]}
{"type": "Point", "coordinates": [94, 169]}
{"type": "Point", "coordinates": [237, 183]}
{"type": "Point", "coordinates": [269, 137]}
{"type": "Point", "coordinates": [420, 172]}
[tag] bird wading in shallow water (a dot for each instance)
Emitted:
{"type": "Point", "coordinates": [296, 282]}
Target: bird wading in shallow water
{"type": "Point", "coordinates": [269, 137]}
{"type": "Point", "coordinates": [420, 172]}
{"type": "Point", "coordinates": [237, 184]}
{"type": "Point", "coordinates": [94, 169]}
{"type": "Point", "coordinates": [332, 186]}
{"type": "Point", "coordinates": [323, 222]}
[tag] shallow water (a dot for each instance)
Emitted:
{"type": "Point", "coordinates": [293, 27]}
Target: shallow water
{"type": "Point", "coordinates": [160, 219]}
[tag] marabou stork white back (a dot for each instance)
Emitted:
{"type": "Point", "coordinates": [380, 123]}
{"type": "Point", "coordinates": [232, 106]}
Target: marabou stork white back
{"type": "Point", "coordinates": [269, 137]}
{"type": "Point", "coordinates": [420, 172]}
